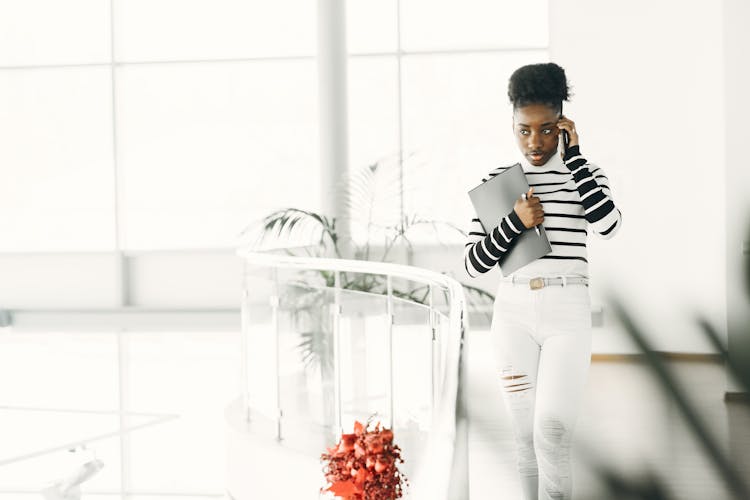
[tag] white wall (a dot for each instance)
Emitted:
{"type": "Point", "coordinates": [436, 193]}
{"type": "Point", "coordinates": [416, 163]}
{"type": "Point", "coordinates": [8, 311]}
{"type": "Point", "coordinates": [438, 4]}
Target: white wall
{"type": "Point", "coordinates": [648, 89]}
{"type": "Point", "coordinates": [647, 78]}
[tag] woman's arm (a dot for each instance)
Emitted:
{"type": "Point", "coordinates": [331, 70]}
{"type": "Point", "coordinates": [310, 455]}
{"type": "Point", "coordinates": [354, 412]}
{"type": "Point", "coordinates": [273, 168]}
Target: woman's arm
{"type": "Point", "coordinates": [599, 209]}
{"type": "Point", "coordinates": [483, 251]}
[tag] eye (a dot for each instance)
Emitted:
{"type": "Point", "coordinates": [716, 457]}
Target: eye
{"type": "Point", "coordinates": [523, 132]}
{"type": "Point", "coordinates": [547, 131]}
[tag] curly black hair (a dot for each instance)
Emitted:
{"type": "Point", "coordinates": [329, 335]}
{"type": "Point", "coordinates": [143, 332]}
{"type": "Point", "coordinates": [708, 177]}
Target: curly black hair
{"type": "Point", "coordinates": [542, 83]}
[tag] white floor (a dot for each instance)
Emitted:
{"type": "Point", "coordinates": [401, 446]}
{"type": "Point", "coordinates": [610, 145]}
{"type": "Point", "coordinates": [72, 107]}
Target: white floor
{"type": "Point", "coordinates": [625, 419]}
{"type": "Point", "coordinates": [190, 375]}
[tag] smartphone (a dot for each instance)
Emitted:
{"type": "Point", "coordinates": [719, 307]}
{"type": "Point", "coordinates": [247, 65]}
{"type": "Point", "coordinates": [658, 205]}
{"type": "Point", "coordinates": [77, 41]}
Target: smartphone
{"type": "Point", "coordinates": [565, 136]}
{"type": "Point", "coordinates": [566, 141]}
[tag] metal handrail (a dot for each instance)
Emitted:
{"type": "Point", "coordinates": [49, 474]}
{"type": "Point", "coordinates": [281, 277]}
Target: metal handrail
{"type": "Point", "coordinates": [443, 471]}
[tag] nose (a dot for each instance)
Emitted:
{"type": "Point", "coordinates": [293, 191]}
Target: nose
{"type": "Point", "coordinates": [535, 141]}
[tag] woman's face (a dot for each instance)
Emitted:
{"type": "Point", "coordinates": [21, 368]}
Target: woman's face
{"type": "Point", "coordinates": [536, 132]}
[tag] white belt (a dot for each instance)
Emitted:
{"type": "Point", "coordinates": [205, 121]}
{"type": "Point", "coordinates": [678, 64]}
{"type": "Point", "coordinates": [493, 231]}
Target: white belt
{"type": "Point", "coordinates": [539, 282]}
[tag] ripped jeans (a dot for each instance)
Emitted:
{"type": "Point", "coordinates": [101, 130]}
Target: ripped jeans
{"type": "Point", "coordinates": [542, 344]}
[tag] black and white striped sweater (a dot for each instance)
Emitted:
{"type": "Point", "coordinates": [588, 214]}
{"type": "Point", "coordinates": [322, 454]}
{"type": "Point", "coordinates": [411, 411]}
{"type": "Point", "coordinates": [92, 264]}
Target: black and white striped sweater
{"type": "Point", "coordinates": [576, 198]}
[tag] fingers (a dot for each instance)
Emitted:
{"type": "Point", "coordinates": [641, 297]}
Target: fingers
{"type": "Point", "coordinates": [532, 216]}
{"type": "Point", "coordinates": [538, 216]}
{"type": "Point", "coordinates": [530, 198]}
{"type": "Point", "coordinates": [565, 123]}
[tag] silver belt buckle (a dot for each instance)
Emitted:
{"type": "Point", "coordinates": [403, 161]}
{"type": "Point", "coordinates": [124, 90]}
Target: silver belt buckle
{"type": "Point", "coordinates": [536, 283]}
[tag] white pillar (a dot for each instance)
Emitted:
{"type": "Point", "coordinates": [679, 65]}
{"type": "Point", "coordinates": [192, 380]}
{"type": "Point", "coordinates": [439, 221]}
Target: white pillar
{"type": "Point", "coordinates": [333, 119]}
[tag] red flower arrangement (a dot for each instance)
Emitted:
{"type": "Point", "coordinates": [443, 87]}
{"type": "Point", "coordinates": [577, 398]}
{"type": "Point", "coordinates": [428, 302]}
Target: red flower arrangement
{"type": "Point", "coordinates": [364, 465]}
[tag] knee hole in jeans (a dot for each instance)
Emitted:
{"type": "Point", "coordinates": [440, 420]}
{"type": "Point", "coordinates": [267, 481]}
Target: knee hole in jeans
{"type": "Point", "coordinates": [514, 382]}
{"type": "Point", "coordinates": [554, 447]}
{"type": "Point", "coordinates": [553, 430]}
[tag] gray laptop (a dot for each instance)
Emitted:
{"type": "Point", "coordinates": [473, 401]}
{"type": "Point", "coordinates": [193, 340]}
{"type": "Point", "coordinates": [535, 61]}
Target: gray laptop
{"type": "Point", "coordinates": [493, 200]}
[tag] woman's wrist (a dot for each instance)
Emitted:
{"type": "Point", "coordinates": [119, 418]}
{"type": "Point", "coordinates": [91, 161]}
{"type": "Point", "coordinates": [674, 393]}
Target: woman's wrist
{"type": "Point", "coordinates": [516, 222]}
{"type": "Point", "coordinates": [571, 152]}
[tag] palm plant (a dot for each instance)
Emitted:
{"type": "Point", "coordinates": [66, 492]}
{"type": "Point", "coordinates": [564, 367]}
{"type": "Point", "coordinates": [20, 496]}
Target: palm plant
{"type": "Point", "coordinates": [650, 486]}
{"type": "Point", "coordinates": [373, 195]}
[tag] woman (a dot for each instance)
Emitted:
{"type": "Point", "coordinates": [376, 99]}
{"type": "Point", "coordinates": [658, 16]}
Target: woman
{"type": "Point", "coordinates": [541, 324]}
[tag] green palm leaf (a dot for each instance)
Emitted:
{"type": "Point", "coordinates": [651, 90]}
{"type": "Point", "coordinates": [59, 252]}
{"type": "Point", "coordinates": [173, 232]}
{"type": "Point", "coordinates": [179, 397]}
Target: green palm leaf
{"type": "Point", "coordinates": [293, 222]}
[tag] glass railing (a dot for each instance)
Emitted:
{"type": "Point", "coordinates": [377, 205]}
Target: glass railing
{"type": "Point", "coordinates": [327, 342]}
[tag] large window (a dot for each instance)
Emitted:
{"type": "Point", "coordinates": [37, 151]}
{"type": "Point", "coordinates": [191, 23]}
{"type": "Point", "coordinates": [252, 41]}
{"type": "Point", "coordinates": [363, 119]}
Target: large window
{"type": "Point", "coordinates": [206, 147]}
{"type": "Point", "coordinates": [429, 80]}
{"type": "Point", "coordinates": [153, 124]}
{"type": "Point", "coordinates": [170, 123]}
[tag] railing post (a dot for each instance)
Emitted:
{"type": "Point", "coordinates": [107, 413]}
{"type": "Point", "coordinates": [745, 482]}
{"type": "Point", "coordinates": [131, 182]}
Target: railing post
{"type": "Point", "coordinates": [336, 323]}
{"type": "Point", "coordinates": [244, 345]}
{"type": "Point", "coordinates": [461, 477]}
{"type": "Point", "coordinates": [389, 347]}
{"type": "Point", "coordinates": [433, 327]}
{"type": "Point", "coordinates": [274, 301]}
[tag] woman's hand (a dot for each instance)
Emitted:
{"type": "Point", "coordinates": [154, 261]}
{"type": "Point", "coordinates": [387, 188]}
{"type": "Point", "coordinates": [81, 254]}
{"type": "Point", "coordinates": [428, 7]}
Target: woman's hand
{"type": "Point", "coordinates": [570, 127]}
{"type": "Point", "coordinates": [529, 210]}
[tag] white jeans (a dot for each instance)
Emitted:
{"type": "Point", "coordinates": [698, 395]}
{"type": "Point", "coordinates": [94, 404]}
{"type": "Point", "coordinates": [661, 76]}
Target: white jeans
{"type": "Point", "coordinates": [542, 343]}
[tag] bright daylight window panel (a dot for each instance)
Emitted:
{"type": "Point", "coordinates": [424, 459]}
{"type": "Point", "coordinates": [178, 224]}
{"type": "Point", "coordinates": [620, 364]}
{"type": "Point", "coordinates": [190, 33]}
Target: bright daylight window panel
{"type": "Point", "coordinates": [373, 138]}
{"type": "Point", "coordinates": [473, 24]}
{"type": "Point", "coordinates": [458, 121]}
{"type": "Point", "coordinates": [211, 29]}
{"type": "Point", "coordinates": [371, 26]}
{"type": "Point", "coordinates": [58, 190]}
{"type": "Point", "coordinates": [36, 32]}
{"type": "Point", "coordinates": [207, 148]}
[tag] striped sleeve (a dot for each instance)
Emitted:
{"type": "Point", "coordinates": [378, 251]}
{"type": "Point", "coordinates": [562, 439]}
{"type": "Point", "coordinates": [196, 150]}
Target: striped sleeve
{"type": "Point", "coordinates": [483, 251]}
{"type": "Point", "coordinates": [599, 209]}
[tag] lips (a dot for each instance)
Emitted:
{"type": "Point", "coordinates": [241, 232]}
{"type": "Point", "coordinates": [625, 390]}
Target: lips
{"type": "Point", "coordinates": [536, 156]}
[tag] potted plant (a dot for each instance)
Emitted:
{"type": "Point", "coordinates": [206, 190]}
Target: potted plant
{"type": "Point", "coordinates": [372, 193]}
